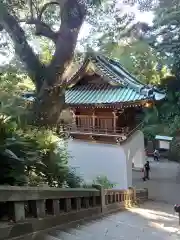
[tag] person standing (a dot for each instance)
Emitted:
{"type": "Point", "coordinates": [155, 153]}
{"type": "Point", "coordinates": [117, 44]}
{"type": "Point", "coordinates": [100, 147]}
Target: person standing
{"type": "Point", "coordinates": [156, 155]}
{"type": "Point", "coordinates": [146, 171]}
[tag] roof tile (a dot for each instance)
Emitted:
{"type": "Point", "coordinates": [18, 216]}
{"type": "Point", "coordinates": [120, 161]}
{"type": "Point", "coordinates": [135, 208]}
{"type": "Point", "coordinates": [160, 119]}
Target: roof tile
{"type": "Point", "coordinates": [90, 94]}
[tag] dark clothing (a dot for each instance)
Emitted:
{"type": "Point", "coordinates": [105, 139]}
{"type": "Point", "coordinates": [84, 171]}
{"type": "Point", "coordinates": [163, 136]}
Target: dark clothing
{"type": "Point", "coordinates": [147, 166]}
{"type": "Point", "coordinates": [156, 158]}
{"type": "Point", "coordinates": [147, 174]}
{"type": "Point", "coordinates": [146, 171]}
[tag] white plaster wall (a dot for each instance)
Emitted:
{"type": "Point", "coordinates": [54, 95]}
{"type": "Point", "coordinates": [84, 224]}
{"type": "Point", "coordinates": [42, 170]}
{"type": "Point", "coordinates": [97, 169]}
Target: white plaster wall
{"type": "Point", "coordinates": [135, 153]}
{"type": "Point", "coordinates": [113, 161]}
{"type": "Point", "coordinates": [134, 149]}
{"type": "Point", "coordinates": [95, 159]}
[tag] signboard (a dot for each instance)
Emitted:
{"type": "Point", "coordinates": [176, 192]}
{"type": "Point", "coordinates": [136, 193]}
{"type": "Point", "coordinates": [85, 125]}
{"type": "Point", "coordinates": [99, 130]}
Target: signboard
{"type": "Point", "coordinates": [164, 145]}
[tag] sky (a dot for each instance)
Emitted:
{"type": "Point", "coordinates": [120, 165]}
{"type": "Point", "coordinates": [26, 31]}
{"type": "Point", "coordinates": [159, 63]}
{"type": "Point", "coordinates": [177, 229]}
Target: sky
{"type": "Point", "coordinates": [140, 16]}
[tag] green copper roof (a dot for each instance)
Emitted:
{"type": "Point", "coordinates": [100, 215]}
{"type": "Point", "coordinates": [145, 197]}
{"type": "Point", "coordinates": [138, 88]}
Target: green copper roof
{"type": "Point", "coordinates": [91, 94]}
{"type": "Point", "coordinates": [127, 89]}
{"type": "Point", "coordinates": [118, 85]}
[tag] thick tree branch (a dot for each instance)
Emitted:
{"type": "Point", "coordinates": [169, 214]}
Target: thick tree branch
{"type": "Point", "coordinates": [72, 17]}
{"type": "Point", "coordinates": [34, 68]}
{"type": "Point", "coordinates": [31, 8]}
{"type": "Point", "coordinates": [42, 29]}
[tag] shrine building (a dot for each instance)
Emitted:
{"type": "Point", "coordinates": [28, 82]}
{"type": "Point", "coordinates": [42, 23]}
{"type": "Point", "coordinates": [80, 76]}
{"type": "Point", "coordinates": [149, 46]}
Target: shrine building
{"type": "Point", "coordinates": [106, 103]}
{"type": "Point", "coordinates": [105, 137]}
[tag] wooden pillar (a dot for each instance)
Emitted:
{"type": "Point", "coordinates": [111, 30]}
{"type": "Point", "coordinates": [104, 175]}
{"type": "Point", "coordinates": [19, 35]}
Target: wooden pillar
{"type": "Point", "coordinates": [73, 118]}
{"type": "Point", "coordinates": [93, 120]}
{"type": "Point", "coordinates": [114, 120]}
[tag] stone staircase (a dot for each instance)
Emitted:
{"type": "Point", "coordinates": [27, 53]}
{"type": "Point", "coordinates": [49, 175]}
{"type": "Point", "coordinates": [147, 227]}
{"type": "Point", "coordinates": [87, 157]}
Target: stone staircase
{"type": "Point", "coordinates": [150, 221]}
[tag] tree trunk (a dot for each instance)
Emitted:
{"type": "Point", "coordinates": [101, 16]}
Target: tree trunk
{"type": "Point", "coordinates": [48, 106]}
{"type": "Point", "coordinates": [49, 79]}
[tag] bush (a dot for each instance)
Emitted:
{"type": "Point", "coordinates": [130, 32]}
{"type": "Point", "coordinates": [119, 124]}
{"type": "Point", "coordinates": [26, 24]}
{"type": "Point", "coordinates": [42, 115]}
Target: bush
{"type": "Point", "coordinates": [174, 153]}
{"type": "Point", "coordinates": [104, 182]}
{"type": "Point", "coordinates": [32, 157]}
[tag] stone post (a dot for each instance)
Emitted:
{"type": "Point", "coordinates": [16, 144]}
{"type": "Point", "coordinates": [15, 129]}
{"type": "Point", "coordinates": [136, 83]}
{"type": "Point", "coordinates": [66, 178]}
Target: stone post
{"type": "Point", "coordinates": [102, 196]}
{"type": "Point", "coordinates": [134, 195]}
{"type": "Point", "coordinates": [78, 203]}
{"type": "Point", "coordinates": [40, 208]}
{"type": "Point", "coordinates": [67, 205]}
{"type": "Point", "coordinates": [19, 211]}
{"type": "Point", "coordinates": [56, 207]}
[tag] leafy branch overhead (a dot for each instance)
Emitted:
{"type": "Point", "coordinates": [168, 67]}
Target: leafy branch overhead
{"type": "Point", "coordinates": [45, 77]}
{"type": "Point", "coordinates": [71, 17]}
{"type": "Point", "coordinates": [60, 22]}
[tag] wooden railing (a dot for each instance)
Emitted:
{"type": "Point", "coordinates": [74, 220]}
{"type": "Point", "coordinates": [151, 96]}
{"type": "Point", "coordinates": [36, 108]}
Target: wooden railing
{"type": "Point", "coordinates": [86, 125]}
{"type": "Point", "coordinates": [76, 129]}
{"type": "Point", "coordinates": [24, 210]}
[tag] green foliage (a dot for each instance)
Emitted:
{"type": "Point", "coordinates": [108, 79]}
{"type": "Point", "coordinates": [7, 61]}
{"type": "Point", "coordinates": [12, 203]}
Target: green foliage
{"type": "Point", "coordinates": [33, 157]}
{"type": "Point", "coordinates": [104, 182]}
{"type": "Point", "coordinates": [164, 118]}
{"type": "Point", "coordinates": [29, 156]}
{"type": "Point", "coordinates": [12, 167]}
{"type": "Point", "coordinates": [25, 153]}
{"type": "Point", "coordinates": [73, 179]}
{"type": "Point", "coordinates": [164, 35]}
{"type": "Point", "coordinates": [139, 59]}
{"type": "Point", "coordinates": [174, 154]}
{"type": "Point", "coordinates": [13, 83]}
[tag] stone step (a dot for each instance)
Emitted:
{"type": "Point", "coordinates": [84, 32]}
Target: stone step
{"type": "Point", "coordinates": [80, 233]}
{"type": "Point", "coordinates": [62, 235]}
{"type": "Point", "coordinates": [45, 237]}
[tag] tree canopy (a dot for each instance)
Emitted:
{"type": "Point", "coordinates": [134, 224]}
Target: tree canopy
{"type": "Point", "coordinates": [60, 23]}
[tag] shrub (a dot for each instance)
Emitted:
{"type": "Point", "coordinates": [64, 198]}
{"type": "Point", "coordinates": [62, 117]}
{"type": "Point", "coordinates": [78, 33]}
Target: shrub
{"type": "Point", "coordinates": [104, 182]}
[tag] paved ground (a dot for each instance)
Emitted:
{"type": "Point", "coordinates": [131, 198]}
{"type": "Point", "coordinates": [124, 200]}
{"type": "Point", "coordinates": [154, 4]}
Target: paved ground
{"type": "Point", "coordinates": [164, 184]}
{"type": "Point", "coordinates": [153, 221]}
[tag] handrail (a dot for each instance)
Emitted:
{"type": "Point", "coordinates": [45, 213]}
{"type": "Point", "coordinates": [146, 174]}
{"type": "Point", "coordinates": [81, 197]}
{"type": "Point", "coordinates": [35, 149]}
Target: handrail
{"type": "Point", "coordinates": [25, 210]}
{"type": "Point", "coordinates": [78, 129]}
{"type": "Point", "coordinates": [131, 132]}
{"type": "Point", "coordinates": [136, 128]}
{"type": "Point", "coordinates": [123, 133]}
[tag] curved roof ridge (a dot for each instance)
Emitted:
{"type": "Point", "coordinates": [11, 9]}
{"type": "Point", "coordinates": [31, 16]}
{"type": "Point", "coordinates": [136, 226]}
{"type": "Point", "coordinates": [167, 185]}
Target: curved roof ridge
{"type": "Point", "coordinates": [126, 82]}
{"type": "Point", "coordinates": [148, 86]}
{"type": "Point", "coordinates": [116, 73]}
{"type": "Point", "coordinates": [148, 90]}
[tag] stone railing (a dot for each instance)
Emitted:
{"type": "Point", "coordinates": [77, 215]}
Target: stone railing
{"type": "Point", "coordinates": [118, 199]}
{"type": "Point", "coordinates": [141, 195]}
{"type": "Point", "coordinates": [24, 210]}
